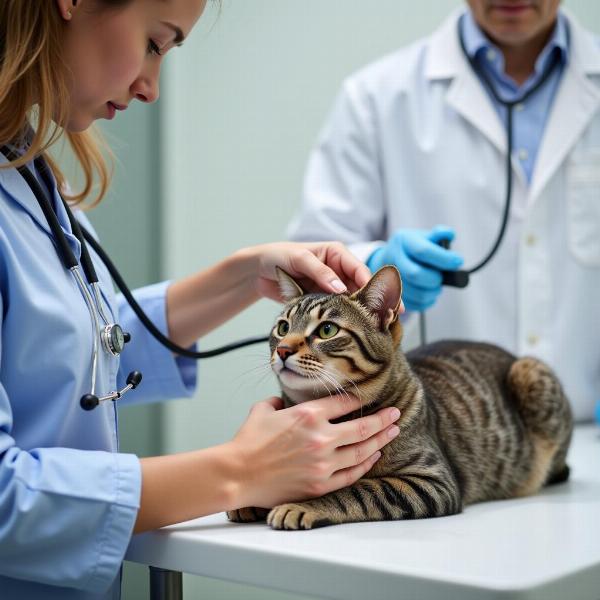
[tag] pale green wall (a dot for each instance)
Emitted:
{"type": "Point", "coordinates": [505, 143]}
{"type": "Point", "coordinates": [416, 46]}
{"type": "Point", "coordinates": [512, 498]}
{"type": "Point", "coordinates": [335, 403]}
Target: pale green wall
{"type": "Point", "coordinates": [241, 106]}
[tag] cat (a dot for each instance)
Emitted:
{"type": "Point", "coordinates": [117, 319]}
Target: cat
{"type": "Point", "coordinates": [476, 422]}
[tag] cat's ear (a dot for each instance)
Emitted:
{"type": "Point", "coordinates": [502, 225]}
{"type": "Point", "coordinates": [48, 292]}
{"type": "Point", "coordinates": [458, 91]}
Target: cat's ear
{"type": "Point", "coordinates": [382, 295]}
{"type": "Point", "coordinates": [288, 287]}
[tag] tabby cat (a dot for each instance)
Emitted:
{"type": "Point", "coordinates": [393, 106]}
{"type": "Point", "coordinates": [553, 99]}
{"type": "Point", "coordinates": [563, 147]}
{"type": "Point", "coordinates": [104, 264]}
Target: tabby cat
{"type": "Point", "coordinates": [477, 423]}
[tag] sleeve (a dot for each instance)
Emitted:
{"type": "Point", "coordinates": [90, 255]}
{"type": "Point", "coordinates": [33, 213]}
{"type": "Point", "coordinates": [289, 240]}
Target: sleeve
{"type": "Point", "coordinates": [164, 376]}
{"type": "Point", "coordinates": [343, 195]}
{"type": "Point", "coordinates": [66, 516]}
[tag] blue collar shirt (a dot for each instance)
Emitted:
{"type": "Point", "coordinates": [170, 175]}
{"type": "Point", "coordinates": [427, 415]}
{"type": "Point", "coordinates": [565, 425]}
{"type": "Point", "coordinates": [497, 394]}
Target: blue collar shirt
{"type": "Point", "coordinates": [531, 116]}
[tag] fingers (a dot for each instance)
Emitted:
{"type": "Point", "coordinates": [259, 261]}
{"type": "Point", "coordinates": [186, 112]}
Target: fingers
{"type": "Point", "coordinates": [426, 251]}
{"type": "Point", "coordinates": [306, 264]}
{"type": "Point", "coordinates": [359, 430]}
{"type": "Point", "coordinates": [355, 272]}
{"type": "Point", "coordinates": [408, 252]}
{"type": "Point", "coordinates": [358, 458]}
{"type": "Point", "coordinates": [331, 266]}
{"type": "Point", "coordinates": [441, 232]}
{"type": "Point", "coordinates": [421, 277]}
{"type": "Point", "coordinates": [275, 401]}
{"type": "Point", "coordinates": [348, 476]}
{"type": "Point", "coordinates": [267, 405]}
{"type": "Point", "coordinates": [355, 454]}
{"type": "Point", "coordinates": [332, 407]}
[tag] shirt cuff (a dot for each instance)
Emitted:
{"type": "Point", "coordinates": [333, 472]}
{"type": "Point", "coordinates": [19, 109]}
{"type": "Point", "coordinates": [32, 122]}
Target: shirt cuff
{"type": "Point", "coordinates": [67, 515]}
{"type": "Point", "coordinates": [116, 534]}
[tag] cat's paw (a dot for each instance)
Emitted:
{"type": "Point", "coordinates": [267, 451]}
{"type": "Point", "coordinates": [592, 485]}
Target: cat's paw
{"type": "Point", "coordinates": [249, 514]}
{"type": "Point", "coordinates": [296, 516]}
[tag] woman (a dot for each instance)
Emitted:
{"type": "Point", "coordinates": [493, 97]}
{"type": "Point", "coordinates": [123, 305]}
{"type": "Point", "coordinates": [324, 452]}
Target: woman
{"type": "Point", "coordinates": [69, 501]}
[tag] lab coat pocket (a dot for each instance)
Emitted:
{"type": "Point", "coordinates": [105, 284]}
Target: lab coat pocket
{"type": "Point", "coordinates": [583, 206]}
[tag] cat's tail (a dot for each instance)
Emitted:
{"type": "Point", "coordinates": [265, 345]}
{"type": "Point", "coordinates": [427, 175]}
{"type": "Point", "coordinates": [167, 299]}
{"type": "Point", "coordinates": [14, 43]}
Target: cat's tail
{"type": "Point", "coordinates": [545, 411]}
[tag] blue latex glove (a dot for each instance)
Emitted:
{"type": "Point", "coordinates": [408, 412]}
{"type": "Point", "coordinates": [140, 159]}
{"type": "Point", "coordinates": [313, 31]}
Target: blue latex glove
{"type": "Point", "coordinates": [419, 259]}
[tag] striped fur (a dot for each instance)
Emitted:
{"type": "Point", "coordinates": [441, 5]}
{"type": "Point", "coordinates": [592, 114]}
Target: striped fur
{"type": "Point", "coordinates": [477, 423]}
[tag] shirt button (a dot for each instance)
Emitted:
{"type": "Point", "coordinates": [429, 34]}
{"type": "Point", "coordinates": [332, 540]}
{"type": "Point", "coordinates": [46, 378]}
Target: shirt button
{"type": "Point", "coordinates": [520, 106]}
{"type": "Point", "coordinates": [532, 339]}
{"type": "Point", "coordinates": [490, 55]}
{"type": "Point", "coordinates": [530, 240]}
{"type": "Point", "coordinates": [523, 154]}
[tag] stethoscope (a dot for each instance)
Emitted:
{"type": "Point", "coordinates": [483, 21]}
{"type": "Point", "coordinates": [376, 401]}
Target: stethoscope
{"type": "Point", "coordinates": [460, 278]}
{"type": "Point", "coordinates": [107, 334]}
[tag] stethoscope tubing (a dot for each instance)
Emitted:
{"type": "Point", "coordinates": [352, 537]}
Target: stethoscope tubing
{"type": "Point", "coordinates": [152, 329]}
{"type": "Point", "coordinates": [71, 263]}
{"type": "Point", "coordinates": [509, 106]}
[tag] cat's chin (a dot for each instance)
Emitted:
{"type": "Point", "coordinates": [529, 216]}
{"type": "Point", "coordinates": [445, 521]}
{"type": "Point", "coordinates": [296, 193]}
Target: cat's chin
{"type": "Point", "coordinates": [300, 388]}
{"type": "Point", "coordinates": [295, 381]}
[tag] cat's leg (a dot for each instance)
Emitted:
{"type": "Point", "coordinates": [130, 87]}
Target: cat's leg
{"type": "Point", "coordinates": [411, 496]}
{"type": "Point", "coordinates": [546, 413]}
{"type": "Point", "coordinates": [248, 514]}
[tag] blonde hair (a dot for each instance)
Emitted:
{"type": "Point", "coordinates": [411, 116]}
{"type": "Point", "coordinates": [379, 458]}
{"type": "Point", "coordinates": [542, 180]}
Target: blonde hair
{"type": "Point", "coordinates": [34, 90]}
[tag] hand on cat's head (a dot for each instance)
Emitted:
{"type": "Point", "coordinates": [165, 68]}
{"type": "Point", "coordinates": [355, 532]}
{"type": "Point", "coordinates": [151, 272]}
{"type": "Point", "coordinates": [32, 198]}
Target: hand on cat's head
{"type": "Point", "coordinates": [317, 266]}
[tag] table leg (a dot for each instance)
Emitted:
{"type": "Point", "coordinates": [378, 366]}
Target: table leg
{"type": "Point", "coordinates": [165, 584]}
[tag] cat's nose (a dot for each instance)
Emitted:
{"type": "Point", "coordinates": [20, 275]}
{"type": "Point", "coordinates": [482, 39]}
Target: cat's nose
{"type": "Point", "coordinates": [284, 352]}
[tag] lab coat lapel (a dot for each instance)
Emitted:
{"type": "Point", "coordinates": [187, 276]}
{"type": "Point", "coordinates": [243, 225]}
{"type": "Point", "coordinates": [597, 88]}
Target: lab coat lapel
{"type": "Point", "coordinates": [576, 102]}
{"type": "Point", "coordinates": [17, 189]}
{"type": "Point", "coordinates": [466, 95]}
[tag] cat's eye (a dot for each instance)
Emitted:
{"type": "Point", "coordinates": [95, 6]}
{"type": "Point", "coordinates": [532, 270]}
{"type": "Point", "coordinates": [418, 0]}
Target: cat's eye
{"type": "Point", "coordinates": [283, 328]}
{"type": "Point", "coordinates": [327, 330]}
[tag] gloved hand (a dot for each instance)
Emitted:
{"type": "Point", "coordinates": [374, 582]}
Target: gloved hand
{"type": "Point", "coordinates": [419, 259]}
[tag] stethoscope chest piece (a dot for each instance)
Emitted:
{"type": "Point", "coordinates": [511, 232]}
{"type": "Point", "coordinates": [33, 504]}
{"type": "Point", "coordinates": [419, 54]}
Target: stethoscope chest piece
{"type": "Point", "coordinates": [114, 339]}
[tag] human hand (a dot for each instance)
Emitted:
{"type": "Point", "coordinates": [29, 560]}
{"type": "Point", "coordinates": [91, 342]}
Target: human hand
{"type": "Point", "coordinates": [297, 453]}
{"type": "Point", "coordinates": [317, 266]}
{"type": "Point", "coordinates": [419, 258]}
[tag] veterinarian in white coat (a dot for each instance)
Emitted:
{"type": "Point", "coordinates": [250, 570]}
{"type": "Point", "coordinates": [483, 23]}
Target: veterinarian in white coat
{"type": "Point", "coordinates": [415, 141]}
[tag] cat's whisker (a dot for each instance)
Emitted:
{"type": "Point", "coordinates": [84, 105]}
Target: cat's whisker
{"type": "Point", "coordinates": [337, 386]}
{"type": "Point", "coordinates": [316, 381]}
{"type": "Point", "coordinates": [268, 372]}
{"type": "Point", "coordinates": [322, 377]}
{"type": "Point", "coordinates": [251, 370]}
{"type": "Point", "coordinates": [357, 393]}
{"type": "Point", "coordinates": [341, 387]}
{"type": "Point", "coordinates": [262, 371]}
{"type": "Point", "coordinates": [323, 383]}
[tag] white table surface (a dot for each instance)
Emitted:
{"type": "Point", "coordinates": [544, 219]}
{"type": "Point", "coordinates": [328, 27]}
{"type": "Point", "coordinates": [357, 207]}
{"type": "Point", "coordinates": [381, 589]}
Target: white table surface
{"type": "Point", "coordinates": [544, 547]}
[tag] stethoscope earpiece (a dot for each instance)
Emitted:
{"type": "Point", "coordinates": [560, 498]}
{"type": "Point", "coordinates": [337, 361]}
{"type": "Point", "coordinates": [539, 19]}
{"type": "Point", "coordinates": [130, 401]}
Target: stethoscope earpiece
{"type": "Point", "coordinates": [90, 401]}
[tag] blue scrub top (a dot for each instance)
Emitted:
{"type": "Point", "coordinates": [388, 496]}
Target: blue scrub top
{"type": "Point", "coordinates": [68, 498]}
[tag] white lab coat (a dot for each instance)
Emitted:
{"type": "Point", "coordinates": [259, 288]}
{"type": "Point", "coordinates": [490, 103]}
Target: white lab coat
{"type": "Point", "coordinates": [414, 141]}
